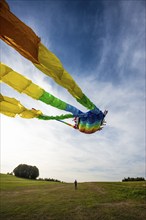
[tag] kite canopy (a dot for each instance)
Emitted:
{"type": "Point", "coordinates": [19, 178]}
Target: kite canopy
{"type": "Point", "coordinates": [23, 39]}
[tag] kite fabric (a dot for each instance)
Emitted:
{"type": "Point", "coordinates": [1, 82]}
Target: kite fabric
{"type": "Point", "coordinates": [26, 86]}
{"type": "Point", "coordinates": [12, 107]}
{"type": "Point", "coordinates": [23, 39]}
{"type": "Point", "coordinates": [86, 122]}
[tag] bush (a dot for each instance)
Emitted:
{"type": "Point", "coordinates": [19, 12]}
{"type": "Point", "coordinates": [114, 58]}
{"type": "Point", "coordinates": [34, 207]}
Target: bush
{"type": "Point", "coordinates": [26, 171]}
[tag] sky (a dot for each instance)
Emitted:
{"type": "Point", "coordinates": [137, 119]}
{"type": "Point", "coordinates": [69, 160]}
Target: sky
{"type": "Point", "coordinates": [102, 45]}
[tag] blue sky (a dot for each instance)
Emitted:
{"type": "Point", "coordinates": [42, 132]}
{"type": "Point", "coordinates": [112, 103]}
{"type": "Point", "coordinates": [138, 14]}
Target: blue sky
{"type": "Point", "coordinates": [102, 45]}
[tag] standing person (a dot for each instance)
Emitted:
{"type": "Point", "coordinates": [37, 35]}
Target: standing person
{"type": "Point", "coordinates": [76, 184]}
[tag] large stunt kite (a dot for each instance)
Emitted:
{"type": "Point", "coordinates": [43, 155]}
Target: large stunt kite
{"type": "Point", "coordinates": [23, 39]}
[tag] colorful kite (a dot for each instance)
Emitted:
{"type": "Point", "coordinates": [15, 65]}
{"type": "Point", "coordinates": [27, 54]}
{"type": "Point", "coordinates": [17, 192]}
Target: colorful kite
{"type": "Point", "coordinates": [22, 38]}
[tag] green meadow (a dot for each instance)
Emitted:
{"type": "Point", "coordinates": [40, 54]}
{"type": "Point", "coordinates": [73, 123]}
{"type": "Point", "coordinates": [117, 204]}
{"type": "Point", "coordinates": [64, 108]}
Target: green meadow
{"type": "Point", "coordinates": [22, 199]}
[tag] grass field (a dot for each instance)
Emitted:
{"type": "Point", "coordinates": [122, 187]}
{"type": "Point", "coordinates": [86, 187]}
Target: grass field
{"type": "Point", "coordinates": [23, 199]}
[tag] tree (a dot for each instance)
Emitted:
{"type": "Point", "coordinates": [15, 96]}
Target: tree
{"type": "Point", "coordinates": [26, 171]}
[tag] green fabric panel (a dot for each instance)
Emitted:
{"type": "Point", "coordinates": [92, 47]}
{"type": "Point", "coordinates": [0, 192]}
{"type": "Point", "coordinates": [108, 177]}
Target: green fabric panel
{"type": "Point", "coordinates": [53, 101]}
{"type": "Point", "coordinates": [86, 102]}
{"type": "Point", "coordinates": [58, 117]}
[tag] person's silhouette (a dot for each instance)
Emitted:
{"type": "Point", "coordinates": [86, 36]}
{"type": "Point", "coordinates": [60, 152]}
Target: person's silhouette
{"type": "Point", "coordinates": [76, 184]}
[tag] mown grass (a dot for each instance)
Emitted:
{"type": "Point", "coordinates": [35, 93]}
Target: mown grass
{"type": "Point", "coordinates": [23, 199]}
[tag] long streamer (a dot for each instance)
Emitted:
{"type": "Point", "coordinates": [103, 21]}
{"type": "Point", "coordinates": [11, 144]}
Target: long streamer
{"type": "Point", "coordinates": [26, 86]}
{"type": "Point", "coordinates": [22, 38]}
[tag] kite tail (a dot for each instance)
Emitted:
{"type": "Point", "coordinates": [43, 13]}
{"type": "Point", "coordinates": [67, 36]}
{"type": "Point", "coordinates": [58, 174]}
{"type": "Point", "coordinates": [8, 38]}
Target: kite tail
{"type": "Point", "coordinates": [12, 107]}
{"type": "Point", "coordinates": [26, 86]}
{"type": "Point", "coordinates": [13, 32]}
{"type": "Point", "coordinates": [58, 117]}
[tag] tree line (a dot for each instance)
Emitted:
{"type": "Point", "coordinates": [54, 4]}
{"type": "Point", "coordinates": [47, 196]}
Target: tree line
{"type": "Point", "coordinates": [49, 179]}
{"type": "Point", "coordinates": [29, 172]}
{"type": "Point", "coordinates": [133, 179]}
{"type": "Point", "coordinates": [32, 172]}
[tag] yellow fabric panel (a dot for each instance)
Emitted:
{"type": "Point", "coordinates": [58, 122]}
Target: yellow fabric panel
{"type": "Point", "coordinates": [30, 113]}
{"type": "Point", "coordinates": [4, 70]}
{"type": "Point", "coordinates": [20, 83]}
{"type": "Point", "coordinates": [71, 85]}
{"type": "Point", "coordinates": [50, 61]}
{"type": "Point", "coordinates": [12, 107]}
{"type": "Point", "coordinates": [1, 98]}
{"type": "Point", "coordinates": [16, 81]}
{"type": "Point", "coordinates": [34, 91]}
{"type": "Point", "coordinates": [51, 66]}
{"type": "Point", "coordinates": [68, 80]}
{"type": "Point", "coordinates": [17, 34]}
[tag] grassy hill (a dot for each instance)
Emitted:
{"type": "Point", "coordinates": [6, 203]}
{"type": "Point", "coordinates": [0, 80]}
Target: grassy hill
{"type": "Point", "coordinates": [41, 200]}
